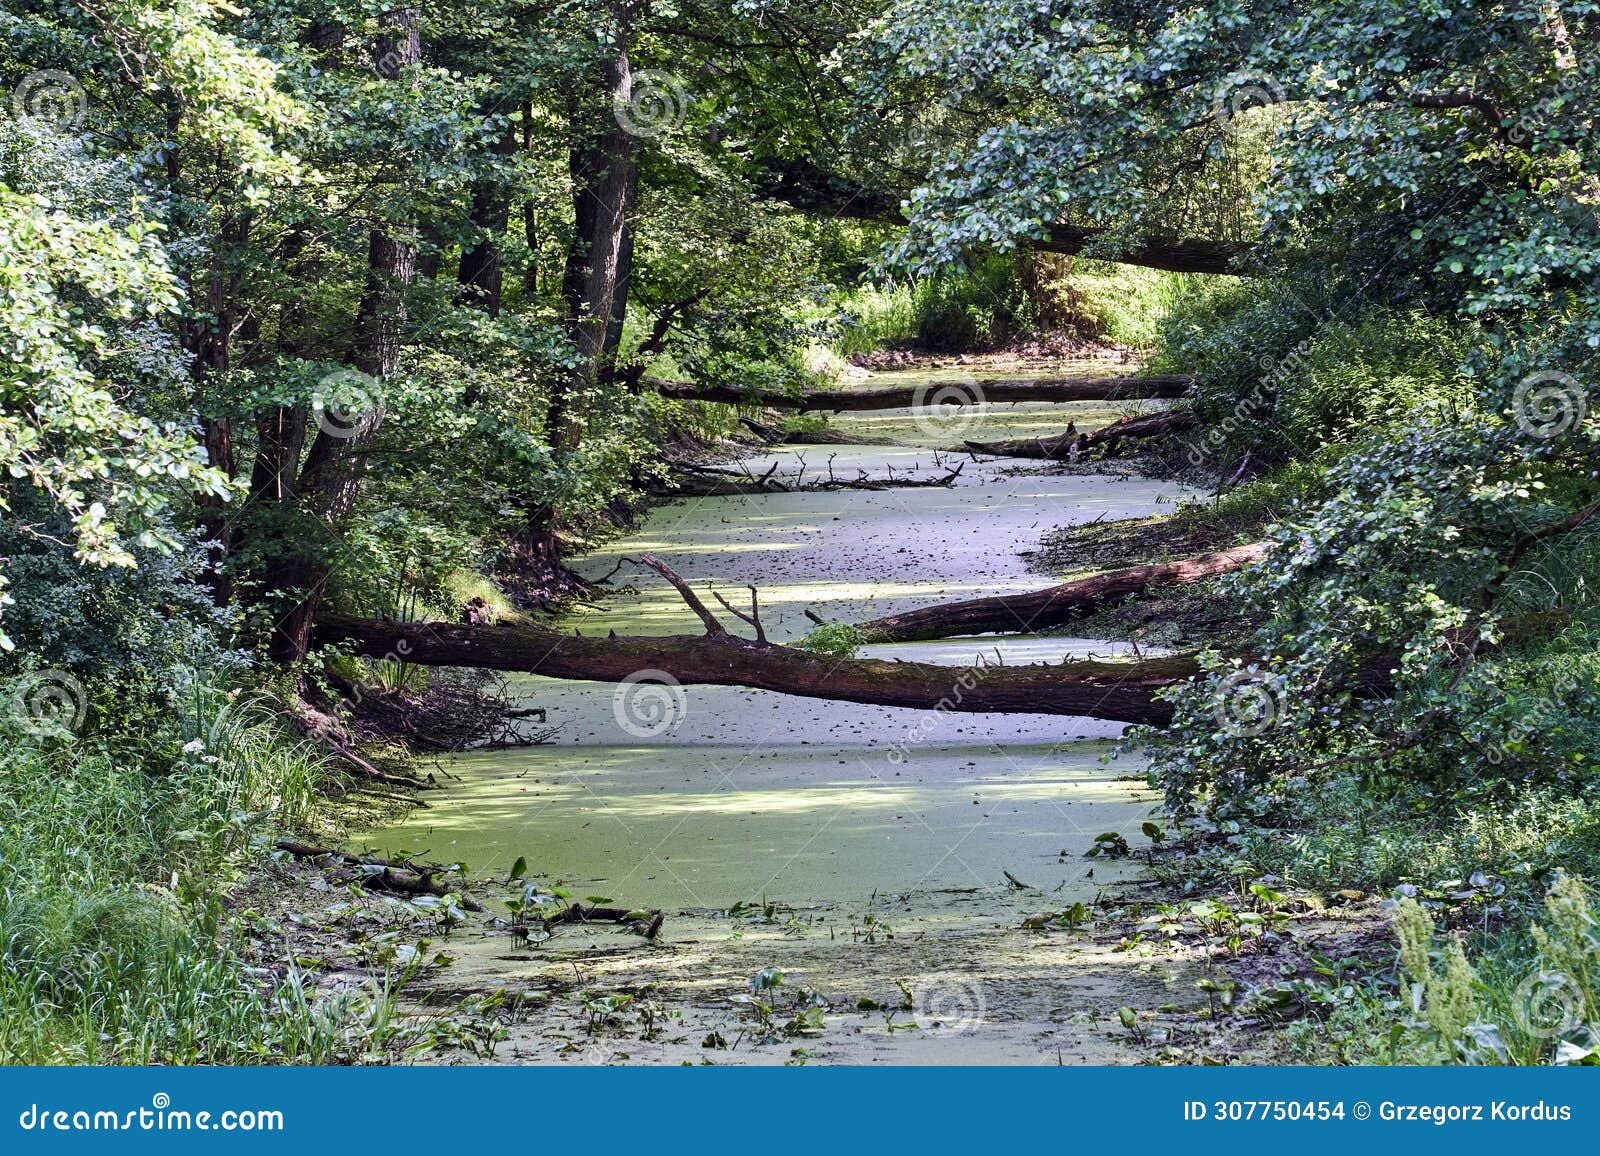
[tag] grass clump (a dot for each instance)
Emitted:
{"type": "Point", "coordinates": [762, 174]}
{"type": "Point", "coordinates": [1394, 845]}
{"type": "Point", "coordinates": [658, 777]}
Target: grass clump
{"type": "Point", "coordinates": [114, 930]}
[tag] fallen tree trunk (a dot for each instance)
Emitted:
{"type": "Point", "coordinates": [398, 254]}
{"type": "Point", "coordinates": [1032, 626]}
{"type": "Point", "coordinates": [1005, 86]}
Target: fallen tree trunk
{"type": "Point", "coordinates": [1120, 388]}
{"type": "Point", "coordinates": [834, 437]}
{"type": "Point", "coordinates": [1071, 443]}
{"type": "Point", "coordinates": [722, 483]}
{"type": "Point", "coordinates": [401, 876]}
{"type": "Point", "coordinates": [1040, 609]}
{"type": "Point", "coordinates": [1118, 691]}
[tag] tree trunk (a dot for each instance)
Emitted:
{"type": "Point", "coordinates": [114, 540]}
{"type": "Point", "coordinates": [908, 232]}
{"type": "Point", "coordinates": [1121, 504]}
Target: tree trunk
{"type": "Point", "coordinates": [330, 478]}
{"type": "Point", "coordinates": [1056, 605]}
{"type": "Point", "coordinates": [1155, 385]}
{"type": "Point", "coordinates": [603, 162]}
{"type": "Point", "coordinates": [1117, 691]}
{"type": "Point", "coordinates": [815, 191]}
{"type": "Point", "coordinates": [208, 338]}
{"type": "Point", "coordinates": [530, 218]}
{"type": "Point", "coordinates": [1071, 443]}
{"type": "Point", "coordinates": [481, 274]}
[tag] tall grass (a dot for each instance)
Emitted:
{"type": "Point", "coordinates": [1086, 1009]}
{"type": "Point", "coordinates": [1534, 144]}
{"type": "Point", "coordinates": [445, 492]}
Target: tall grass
{"type": "Point", "coordinates": [113, 928]}
{"type": "Point", "coordinates": [993, 303]}
{"type": "Point", "coordinates": [876, 317]}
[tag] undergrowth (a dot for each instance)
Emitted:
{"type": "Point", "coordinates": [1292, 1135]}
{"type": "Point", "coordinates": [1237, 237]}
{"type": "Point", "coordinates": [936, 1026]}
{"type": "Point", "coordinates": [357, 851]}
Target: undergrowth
{"type": "Point", "coordinates": [114, 926]}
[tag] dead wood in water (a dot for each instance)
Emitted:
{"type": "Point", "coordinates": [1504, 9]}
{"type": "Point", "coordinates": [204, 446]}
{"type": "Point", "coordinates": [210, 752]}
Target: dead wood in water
{"type": "Point", "coordinates": [1115, 690]}
{"type": "Point", "coordinates": [650, 921]}
{"type": "Point", "coordinates": [936, 393]}
{"type": "Point", "coordinates": [401, 876]}
{"type": "Point", "coordinates": [1072, 444]}
{"type": "Point", "coordinates": [709, 482]}
{"type": "Point", "coordinates": [1054, 605]}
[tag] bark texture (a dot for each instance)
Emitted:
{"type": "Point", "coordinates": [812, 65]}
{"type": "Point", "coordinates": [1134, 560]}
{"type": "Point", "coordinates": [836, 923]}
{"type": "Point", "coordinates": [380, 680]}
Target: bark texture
{"type": "Point", "coordinates": [1117, 691]}
{"type": "Point", "coordinates": [1041, 609]}
{"type": "Point", "coordinates": [1070, 443]}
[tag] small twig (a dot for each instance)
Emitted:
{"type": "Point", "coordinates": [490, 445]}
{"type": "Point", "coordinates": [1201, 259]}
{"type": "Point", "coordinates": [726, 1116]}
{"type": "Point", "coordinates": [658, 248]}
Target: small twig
{"type": "Point", "coordinates": [753, 618]}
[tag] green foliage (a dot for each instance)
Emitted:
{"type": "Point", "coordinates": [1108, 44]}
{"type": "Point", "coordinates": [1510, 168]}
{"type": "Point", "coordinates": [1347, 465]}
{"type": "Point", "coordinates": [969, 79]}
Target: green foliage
{"type": "Point", "coordinates": [998, 300]}
{"type": "Point", "coordinates": [1525, 1000]}
{"type": "Point", "coordinates": [976, 308]}
{"type": "Point", "coordinates": [1279, 381]}
{"type": "Point", "coordinates": [1119, 303]}
{"type": "Point", "coordinates": [70, 290]}
{"type": "Point", "coordinates": [112, 902]}
{"type": "Point", "coordinates": [834, 640]}
{"type": "Point", "coordinates": [872, 317]}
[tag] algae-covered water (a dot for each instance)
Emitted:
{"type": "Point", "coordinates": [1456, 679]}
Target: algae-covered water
{"type": "Point", "coordinates": [698, 797]}
{"type": "Point", "coordinates": [893, 863]}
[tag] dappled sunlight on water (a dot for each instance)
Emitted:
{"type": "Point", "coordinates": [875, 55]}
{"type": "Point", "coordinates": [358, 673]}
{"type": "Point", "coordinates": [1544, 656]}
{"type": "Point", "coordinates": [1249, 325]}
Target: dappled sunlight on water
{"type": "Point", "coordinates": [749, 794]}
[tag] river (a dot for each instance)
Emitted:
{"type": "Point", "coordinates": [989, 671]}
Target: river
{"type": "Point", "coordinates": [881, 838]}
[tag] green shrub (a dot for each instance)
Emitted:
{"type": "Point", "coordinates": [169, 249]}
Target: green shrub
{"type": "Point", "coordinates": [1278, 380]}
{"type": "Point", "coordinates": [1375, 372]}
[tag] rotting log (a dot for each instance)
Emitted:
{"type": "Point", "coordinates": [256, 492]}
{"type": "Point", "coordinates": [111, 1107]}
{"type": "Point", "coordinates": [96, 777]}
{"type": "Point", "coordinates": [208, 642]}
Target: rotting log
{"type": "Point", "coordinates": [1117, 691]}
{"type": "Point", "coordinates": [720, 483]}
{"type": "Point", "coordinates": [402, 876]}
{"type": "Point", "coordinates": [1071, 444]}
{"type": "Point", "coordinates": [1055, 605]}
{"type": "Point", "coordinates": [1126, 387]}
{"type": "Point", "coordinates": [1095, 688]}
